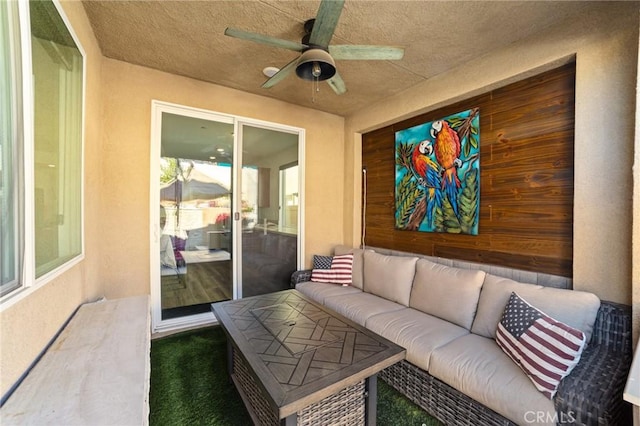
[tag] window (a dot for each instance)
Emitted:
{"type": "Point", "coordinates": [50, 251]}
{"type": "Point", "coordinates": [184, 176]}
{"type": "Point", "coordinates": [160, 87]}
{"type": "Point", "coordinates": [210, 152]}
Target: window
{"type": "Point", "coordinates": [41, 146]}
{"type": "Point", "coordinates": [10, 259]}
{"type": "Point", "coordinates": [289, 196]}
{"type": "Point", "coordinates": [57, 74]}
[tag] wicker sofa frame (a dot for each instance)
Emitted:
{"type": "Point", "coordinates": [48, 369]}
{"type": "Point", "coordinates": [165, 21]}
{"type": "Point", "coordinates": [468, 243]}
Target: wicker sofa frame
{"type": "Point", "coordinates": [590, 395]}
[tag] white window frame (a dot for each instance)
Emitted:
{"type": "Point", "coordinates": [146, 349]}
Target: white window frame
{"type": "Point", "coordinates": [28, 281]}
{"type": "Point", "coordinates": [13, 27]}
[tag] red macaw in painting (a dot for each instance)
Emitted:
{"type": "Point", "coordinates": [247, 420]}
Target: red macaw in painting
{"type": "Point", "coordinates": [428, 173]}
{"type": "Point", "coordinates": [447, 149]}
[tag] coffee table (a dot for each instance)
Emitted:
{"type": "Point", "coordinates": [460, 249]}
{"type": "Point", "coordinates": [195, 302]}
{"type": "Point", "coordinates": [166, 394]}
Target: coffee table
{"type": "Point", "coordinates": [296, 362]}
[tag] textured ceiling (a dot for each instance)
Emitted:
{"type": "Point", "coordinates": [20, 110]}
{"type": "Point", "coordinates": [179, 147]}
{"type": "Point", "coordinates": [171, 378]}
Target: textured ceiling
{"type": "Point", "coordinates": [187, 38]}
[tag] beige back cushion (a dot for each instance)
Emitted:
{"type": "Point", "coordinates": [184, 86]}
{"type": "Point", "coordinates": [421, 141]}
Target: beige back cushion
{"type": "Point", "coordinates": [446, 292]}
{"type": "Point", "coordinates": [389, 276]}
{"type": "Point", "coordinates": [575, 308]}
{"type": "Point", "coordinates": [358, 263]}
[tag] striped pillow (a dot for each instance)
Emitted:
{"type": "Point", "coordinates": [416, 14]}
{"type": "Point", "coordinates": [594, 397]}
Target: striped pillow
{"type": "Point", "coordinates": [339, 273]}
{"type": "Point", "coordinates": [545, 349]}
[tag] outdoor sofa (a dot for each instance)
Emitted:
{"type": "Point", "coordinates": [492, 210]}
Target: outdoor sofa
{"type": "Point", "coordinates": [445, 313]}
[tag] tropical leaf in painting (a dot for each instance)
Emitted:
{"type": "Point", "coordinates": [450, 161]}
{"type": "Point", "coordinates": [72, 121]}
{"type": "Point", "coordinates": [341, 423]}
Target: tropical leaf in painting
{"type": "Point", "coordinates": [406, 209]}
{"type": "Point", "coordinates": [468, 202]}
{"type": "Point", "coordinates": [473, 139]}
{"type": "Point", "coordinates": [408, 194]}
{"type": "Point", "coordinates": [466, 131]}
{"type": "Point", "coordinates": [450, 222]}
{"type": "Point", "coordinates": [405, 187]}
{"type": "Point", "coordinates": [403, 155]}
{"type": "Point", "coordinates": [466, 149]}
{"type": "Point", "coordinates": [456, 122]}
{"type": "Point", "coordinates": [438, 220]}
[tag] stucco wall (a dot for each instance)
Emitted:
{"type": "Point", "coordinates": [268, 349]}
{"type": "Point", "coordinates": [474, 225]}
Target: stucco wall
{"type": "Point", "coordinates": [128, 92]}
{"type": "Point", "coordinates": [605, 46]}
{"type": "Point", "coordinates": [27, 326]}
{"type": "Point", "coordinates": [116, 187]}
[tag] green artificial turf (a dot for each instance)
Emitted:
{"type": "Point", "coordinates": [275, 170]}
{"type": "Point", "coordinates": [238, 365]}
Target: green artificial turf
{"type": "Point", "coordinates": [189, 382]}
{"type": "Point", "coordinates": [189, 386]}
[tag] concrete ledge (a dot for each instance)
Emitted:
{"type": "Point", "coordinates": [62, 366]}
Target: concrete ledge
{"type": "Point", "coordinates": [95, 373]}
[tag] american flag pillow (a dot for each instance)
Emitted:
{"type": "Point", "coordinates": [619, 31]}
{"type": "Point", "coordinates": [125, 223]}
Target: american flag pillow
{"type": "Point", "coordinates": [545, 349]}
{"type": "Point", "coordinates": [322, 262]}
{"type": "Point", "coordinates": [339, 273]}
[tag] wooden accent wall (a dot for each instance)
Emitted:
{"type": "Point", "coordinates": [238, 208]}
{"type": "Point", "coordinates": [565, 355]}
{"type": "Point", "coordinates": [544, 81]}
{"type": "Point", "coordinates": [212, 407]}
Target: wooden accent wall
{"type": "Point", "coordinates": [526, 186]}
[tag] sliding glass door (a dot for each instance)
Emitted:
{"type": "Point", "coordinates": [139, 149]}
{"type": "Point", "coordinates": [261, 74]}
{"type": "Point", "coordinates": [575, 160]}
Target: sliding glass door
{"type": "Point", "coordinates": [224, 209]}
{"type": "Point", "coordinates": [193, 240]}
{"type": "Point", "coordinates": [269, 246]}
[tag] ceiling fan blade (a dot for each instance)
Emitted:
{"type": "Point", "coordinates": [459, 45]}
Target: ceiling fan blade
{"type": "Point", "coordinates": [264, 39]}
{"type": "Point", "coordinates": [280, 75]}
{"type": "Point", "coordinates": [326, 21]}
{"type": "Point", "coordinates": [356, 52]}
{"type": "Point", "coordinates": [337, 84]}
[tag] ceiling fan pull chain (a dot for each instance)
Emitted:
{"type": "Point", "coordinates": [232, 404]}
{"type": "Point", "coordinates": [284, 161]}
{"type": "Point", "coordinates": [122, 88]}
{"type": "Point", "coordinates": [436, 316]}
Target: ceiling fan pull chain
{"type": "Point", "coordinates": [315, 87]}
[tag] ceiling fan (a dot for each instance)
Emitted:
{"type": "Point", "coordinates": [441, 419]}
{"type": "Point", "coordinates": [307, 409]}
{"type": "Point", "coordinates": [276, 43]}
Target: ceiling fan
{"type": "Point", "coordinates": [316, 63]}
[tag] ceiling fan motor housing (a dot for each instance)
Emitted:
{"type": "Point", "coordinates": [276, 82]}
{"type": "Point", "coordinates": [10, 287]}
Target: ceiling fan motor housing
{"type": "Point", "coordinates": [308, 27]}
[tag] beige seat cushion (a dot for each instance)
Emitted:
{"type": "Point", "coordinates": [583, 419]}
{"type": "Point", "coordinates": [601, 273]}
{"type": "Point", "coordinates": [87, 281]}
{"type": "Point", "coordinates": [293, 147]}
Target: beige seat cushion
{"type": "Point", "coordinates": [359, 307]}
{"type": "Point", "coordinates": [417, 332]}
{"type": "Point", "coordinates": [319, 291]}
{"type": "Point", "coordinates": [390, 277]}
{"type": "Point", "coordinates": [575, 308]}
{"type": "Point", "coordinates": [358, 263]}
{"type": "Point", "coordinates": [446, 292]}
{"type": "Point", "coordinates": [477, 367]}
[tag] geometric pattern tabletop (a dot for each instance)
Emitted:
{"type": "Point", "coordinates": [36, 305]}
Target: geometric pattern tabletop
{"type": "Point", "coordinates": [299, 349]}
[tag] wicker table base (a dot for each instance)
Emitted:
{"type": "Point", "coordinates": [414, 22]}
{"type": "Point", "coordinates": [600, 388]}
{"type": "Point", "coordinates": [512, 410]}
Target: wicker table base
{"type": "Point", "coordinates": [345, 408]}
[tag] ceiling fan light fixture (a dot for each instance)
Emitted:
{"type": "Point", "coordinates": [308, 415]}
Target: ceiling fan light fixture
{"type": "Point", "coordinates": [316, 64]}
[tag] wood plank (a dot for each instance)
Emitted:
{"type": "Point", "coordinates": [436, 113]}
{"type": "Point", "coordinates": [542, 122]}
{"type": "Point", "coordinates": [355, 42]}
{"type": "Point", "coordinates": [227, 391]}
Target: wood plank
{"type": "Point", "coordinates": [96, 372]}
{"type": "Point", "coordinates": [526, 184]}
{"type": "Point", "coordinates": [549, 264]}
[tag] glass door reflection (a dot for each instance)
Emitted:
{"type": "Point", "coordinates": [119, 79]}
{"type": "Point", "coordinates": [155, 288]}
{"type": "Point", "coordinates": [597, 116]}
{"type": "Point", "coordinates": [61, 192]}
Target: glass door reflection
{"type": "Point", "coordinates": [196, 169]}
{"type": "Point", "coordinates": [270, 188]}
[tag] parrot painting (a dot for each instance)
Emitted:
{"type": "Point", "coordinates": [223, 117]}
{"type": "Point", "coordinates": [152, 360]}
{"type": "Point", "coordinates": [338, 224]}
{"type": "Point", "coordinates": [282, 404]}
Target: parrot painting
{"type": "Point", "coordinates": [427, 172]}
{"type": "Point", "coordinates": [437, 178]}
{"type": "Point", "coordinates": [447, 150]}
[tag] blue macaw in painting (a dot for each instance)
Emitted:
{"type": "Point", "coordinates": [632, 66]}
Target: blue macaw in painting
{"type": "Point", "coordinates": [428, 173]}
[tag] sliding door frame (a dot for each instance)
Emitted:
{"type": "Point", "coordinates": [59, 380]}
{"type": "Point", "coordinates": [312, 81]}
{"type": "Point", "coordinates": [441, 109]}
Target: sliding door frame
{"type": "Point", "coordinates": [157, 109]}
{"type": "Point", "coordinates": [237, 186]}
